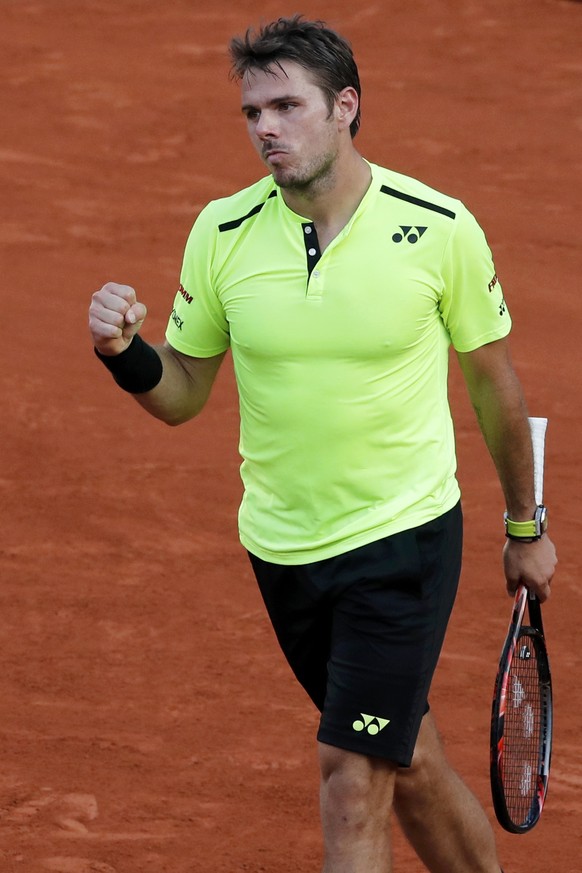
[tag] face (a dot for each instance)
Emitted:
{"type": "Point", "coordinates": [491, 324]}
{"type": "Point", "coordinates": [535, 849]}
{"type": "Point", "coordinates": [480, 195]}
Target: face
{"type": "Point", "coordinates": [290, 125]}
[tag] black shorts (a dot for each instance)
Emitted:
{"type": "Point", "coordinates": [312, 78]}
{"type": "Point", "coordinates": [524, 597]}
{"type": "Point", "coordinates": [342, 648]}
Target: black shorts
{"type": "Point", "coordinates": [363, 632]}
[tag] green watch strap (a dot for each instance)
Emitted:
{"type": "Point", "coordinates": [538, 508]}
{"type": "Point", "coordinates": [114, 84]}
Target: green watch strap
{"type": "Point", "coordinates": [520, 529]}
{"type": "Point", "coordinates": [529, 530]}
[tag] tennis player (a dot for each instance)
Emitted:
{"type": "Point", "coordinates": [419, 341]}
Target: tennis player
{"type": "Point", "coordinates": [339, 286]}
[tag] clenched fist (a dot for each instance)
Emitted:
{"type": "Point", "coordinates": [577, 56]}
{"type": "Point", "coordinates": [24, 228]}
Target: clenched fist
{"type": "Point", "coordinates": [115, 316]}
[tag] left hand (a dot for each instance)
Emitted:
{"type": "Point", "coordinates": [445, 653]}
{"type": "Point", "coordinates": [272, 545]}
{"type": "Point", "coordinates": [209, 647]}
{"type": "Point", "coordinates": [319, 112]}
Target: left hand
{"type": "Point", "coordinates": [530, 564]}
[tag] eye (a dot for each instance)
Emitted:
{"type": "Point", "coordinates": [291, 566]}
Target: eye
{"type": "Point", "coordinates": [284, 107]}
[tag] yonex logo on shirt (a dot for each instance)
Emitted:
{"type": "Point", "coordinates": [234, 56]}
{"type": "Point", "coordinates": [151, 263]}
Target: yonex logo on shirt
{"type": "Point", "coordinates": [179, 322]}
{"type": "Point", "coordinates": [491, 286]}
{"type": "Point", "coordinates": [372, 723]}
{"type": "Point", "coordinates": [409, 233]}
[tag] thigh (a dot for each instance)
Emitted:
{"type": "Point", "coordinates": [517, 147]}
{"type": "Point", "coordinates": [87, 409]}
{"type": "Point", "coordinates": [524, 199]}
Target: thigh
{"type": "Point", "coordinates": [302, 621]}
{"type": "Point", "coordinates": [388, 628]}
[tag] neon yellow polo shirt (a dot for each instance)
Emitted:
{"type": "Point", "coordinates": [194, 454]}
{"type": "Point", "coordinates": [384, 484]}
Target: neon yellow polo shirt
{"type": "Point", "coordinates": [340, 357]}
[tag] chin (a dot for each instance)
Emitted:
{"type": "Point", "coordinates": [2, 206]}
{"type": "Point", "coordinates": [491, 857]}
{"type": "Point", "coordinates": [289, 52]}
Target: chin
{"type": "Point", "coordinates": [290, 180]}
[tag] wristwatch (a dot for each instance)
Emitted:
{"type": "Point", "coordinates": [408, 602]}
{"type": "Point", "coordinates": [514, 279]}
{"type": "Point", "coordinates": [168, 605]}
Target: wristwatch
{"type": "Point", "coordinates": [527, 531]}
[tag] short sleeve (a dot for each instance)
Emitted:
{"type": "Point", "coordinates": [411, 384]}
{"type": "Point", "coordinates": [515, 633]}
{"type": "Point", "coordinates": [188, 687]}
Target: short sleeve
{"type": "Point", "coordinates": [472, 304]}
{"type": "Point", "coordinates": [197, 325]}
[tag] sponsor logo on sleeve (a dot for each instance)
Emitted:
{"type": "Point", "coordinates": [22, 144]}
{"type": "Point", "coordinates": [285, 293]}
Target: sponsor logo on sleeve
{"type": "Point", "coordinates": [494, 283]}
{"type": "Point", "coordinates": [187, 297]}
{"type": "Point", "coordinates": [177, 320]}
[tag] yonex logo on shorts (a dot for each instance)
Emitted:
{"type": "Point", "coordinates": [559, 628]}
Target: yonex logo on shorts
{"type": "Point", "coordinates": [409, 233]}
{"type": "Point", "coordinates": [372, 723]}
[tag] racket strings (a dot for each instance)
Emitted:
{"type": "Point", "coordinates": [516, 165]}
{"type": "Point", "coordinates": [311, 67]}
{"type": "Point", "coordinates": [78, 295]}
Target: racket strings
{"type": "Point", "coordinates": [522, 734]}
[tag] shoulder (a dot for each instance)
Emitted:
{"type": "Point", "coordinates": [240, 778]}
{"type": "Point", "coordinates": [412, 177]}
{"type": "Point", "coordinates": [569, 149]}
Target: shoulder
{"type": "Point", "coordinates": [229, 212]}
{"type": "Point", "coordinates": [410, 190]}
{"type": "Point", "coordinates": [416, 203]}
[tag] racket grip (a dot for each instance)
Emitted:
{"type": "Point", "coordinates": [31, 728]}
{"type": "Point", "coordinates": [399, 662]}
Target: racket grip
{"type": "Point", "coordinates": [538, 428]}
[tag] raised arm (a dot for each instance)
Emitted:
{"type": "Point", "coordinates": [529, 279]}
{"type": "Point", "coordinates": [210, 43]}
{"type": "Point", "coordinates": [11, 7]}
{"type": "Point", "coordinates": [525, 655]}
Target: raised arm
{"type": "Point", "coordinates": [499, 404]}
{"type": "Point", "coordinates": [169, 385]}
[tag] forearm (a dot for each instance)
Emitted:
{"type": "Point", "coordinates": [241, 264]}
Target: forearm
{"type": "Point", "coordinates": [182, 391]}
{"type": "Point", "coordinates": [501, 411]}
{"type": "Point", "coordinates": [169, 385]}
{"type": "Point", "coordinates": [502, 415]}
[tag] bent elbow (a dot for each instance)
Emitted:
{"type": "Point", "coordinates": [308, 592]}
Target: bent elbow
{"type": "Point", "coordinates": [176, 418]}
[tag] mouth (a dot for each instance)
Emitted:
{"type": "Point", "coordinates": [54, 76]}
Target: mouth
{"type": "Point", "coordinates": [273, 155]}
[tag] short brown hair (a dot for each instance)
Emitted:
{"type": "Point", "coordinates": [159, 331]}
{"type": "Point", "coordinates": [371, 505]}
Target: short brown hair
{"type": "Point", "coordinates": [311, 44]}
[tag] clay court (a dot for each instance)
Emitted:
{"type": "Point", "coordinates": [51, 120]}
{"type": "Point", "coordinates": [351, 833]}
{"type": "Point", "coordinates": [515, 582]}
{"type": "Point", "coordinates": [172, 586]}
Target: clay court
{"type": "Point", "coordinates": [148, 722]}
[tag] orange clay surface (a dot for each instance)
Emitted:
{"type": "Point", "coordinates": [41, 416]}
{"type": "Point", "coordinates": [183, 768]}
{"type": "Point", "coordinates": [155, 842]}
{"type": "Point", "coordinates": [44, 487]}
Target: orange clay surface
{"type": "Point", "coordinates": [148, 721]}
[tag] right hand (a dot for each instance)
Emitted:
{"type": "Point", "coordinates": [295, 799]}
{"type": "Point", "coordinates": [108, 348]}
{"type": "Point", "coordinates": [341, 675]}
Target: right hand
{"type": "Point", "coordinates": [530, 564]}
{"type": "Point", "coordinates": [115, 316]}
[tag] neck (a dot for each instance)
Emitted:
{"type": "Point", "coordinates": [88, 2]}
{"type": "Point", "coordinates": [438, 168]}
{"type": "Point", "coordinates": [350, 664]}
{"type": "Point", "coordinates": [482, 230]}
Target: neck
{"type": "Point", "coordinates": [333, 198]}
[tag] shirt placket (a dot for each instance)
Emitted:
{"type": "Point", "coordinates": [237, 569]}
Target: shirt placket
{"type": "Point", "coordinates": [313, 255]}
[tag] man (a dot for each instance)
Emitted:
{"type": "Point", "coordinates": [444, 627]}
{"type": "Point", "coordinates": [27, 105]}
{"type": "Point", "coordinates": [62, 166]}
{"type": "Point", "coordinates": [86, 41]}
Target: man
{"type": "Point", "coordinates": [339, 286]}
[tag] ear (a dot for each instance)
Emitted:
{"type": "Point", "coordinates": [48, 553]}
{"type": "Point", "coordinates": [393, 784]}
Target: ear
{"type": "Point", "coordinates": [346, 107]}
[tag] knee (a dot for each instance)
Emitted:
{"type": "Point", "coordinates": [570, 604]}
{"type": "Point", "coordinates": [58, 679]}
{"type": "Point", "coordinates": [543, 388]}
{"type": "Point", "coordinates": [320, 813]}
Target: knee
{"type": "Point", "coordinates": [353, 786]}
{"type": "Point", "coordinates": [342, 775]}
{"type": "Point", "coordinates": [413, 781]}
{"type": "Point", "coordinates": [428, 764]}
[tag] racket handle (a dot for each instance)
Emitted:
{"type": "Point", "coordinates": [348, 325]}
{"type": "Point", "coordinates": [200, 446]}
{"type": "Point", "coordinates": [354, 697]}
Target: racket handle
{"type": "Point", "coordinates": [537, 428]}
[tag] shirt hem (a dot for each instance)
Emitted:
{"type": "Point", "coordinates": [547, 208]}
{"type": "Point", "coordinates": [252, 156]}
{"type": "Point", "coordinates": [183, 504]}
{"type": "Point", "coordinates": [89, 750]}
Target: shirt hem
{"type": "Point", "coordinates": [294, 556]}
{"type": "Point", "coordinates": [483, 340]}
{"type": "Point", "coordinates": [195, 351]}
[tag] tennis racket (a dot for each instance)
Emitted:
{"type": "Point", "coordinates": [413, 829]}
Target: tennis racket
{"type": "Point", "coordinates": [521, 717]}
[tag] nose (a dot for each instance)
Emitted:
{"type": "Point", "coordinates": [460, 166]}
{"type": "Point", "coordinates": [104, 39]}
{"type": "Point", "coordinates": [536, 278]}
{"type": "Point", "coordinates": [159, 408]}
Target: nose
{"type": "Point", "coordinates": [266, 126]}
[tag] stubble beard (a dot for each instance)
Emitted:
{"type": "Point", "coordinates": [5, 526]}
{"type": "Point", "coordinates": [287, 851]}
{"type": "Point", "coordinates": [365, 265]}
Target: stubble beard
{"type": "Point", "coordinates": [310, 181]}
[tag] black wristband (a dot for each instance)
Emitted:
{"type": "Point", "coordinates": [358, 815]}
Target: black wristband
{"type": "Point", "coordinates": [137, 369]}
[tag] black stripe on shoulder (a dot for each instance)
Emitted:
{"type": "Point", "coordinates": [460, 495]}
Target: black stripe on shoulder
{"type": "Point", "coordinates": [231, 225]}
{"type": "Point", "coordinates": [417, 201]}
